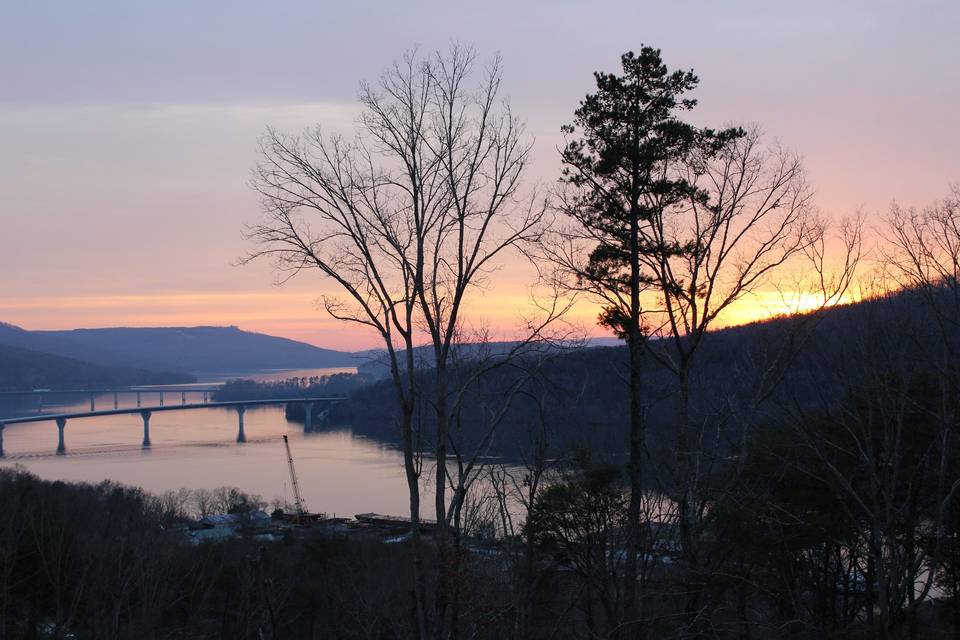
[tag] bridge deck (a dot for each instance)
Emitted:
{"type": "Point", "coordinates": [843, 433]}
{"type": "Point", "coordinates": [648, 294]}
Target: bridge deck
{"type": "Point", "coordinates": [146, 412]}
{"type": "Point", "coordinates": [185, 388]}
{"type": "Point", "coordinates": [173, 407]}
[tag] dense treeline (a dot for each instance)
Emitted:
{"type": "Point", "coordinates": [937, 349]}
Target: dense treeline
{"type": "Point", "coordinates": [585, 385]}
{"type": "Point", "coordinates": [108, 561]}
{"type": "Point", "coordinates": [335, 385]}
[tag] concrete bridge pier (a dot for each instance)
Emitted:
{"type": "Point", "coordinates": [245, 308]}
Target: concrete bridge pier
{"type": "Point", "coordinates": [93, 406]}
{"type": "Point", "coordinates": [161, 398]}
{"type": "Point", "coordinates": [39, 403]}
{"type": "Point", "coordinates": [183, 397]}
{"type": "Point", "coordinates": [241, 436]}
{"type": "Point", "coordinates": [116, 401]}
{"type": "Point", "coordinates": [61, 447]}
{"type": "Point", "coordinates": [308, 416]}
{"type": "Point", "coordinates": [2, 427]}
{"type": "Point", "coordinates": [138, 399]}
{"type": "Point", "coordinates": [146, 428]}
{"type": "Point", "coordinates": [204, 397]}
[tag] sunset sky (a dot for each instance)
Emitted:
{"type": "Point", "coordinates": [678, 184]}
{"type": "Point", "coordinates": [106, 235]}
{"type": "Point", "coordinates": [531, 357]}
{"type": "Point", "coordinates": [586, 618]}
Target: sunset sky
{"type": "Point", "coordinates": [128, 129]}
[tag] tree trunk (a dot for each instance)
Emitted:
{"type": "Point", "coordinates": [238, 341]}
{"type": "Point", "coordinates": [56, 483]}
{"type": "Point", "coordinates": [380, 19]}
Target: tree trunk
{"type": "Point", "coordinates": [635, 340]}
{"type": "Point", "coordinates": [444, 570]}
{"type": "Point", "coordinates": [413, 487]}
{"type": "Point", "coordinates": [687, 473]}
{"type": "Point", "coordinates": [955, 583]}
{"type": "Point", "coordinates": [629, 626]}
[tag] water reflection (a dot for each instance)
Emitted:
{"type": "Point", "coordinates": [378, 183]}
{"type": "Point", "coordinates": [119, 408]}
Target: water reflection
{"type": "Point", "coordinates": [339, 472]}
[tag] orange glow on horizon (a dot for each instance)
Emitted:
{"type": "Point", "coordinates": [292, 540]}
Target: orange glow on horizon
{"type": "Point", "coordinates": [296, 315]}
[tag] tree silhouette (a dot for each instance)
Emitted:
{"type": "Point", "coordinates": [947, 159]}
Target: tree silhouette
{"type": "Point", "coordinates": [620, 176]}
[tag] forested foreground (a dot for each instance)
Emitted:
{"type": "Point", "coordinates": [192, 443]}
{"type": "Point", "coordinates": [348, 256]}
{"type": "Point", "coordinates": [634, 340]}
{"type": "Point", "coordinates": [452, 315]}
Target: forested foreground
{"type": "Point", "coordinates": [829, 526]}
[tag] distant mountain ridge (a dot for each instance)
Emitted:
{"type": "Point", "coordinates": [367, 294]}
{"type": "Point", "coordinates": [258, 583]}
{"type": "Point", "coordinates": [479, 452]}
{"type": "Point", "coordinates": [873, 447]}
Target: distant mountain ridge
{"type": "Point", "coordinates": [188, 349]}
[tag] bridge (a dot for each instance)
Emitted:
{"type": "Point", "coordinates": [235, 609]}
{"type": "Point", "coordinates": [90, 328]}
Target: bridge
{"type": "Point", "coordinates": [146, 412]}
{"type": "Point", "coordinates": [140, 391]}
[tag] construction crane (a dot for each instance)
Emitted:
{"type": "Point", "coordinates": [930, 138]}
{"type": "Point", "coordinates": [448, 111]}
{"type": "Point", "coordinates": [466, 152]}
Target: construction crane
{"type": "Point", "coordinates": [297, 498]}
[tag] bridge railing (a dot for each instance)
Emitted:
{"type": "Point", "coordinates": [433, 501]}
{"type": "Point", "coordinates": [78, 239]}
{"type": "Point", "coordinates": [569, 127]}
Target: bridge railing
{"type": "Point", "coordinates": [183, 390]}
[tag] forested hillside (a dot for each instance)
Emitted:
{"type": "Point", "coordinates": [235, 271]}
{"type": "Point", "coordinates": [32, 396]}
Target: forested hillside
{"type": "Point", "coordinates": [22, 369]}
{"type": "Point", "coordinates": [191, 349]}
{"type": "Point", "coordinates": [754, 372]}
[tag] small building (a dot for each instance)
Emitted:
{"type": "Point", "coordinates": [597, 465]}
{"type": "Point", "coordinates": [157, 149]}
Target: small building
{"type": "Point", "coordinates": [255, 519]}
{"type": "Point", "coordinates": [211, 534]}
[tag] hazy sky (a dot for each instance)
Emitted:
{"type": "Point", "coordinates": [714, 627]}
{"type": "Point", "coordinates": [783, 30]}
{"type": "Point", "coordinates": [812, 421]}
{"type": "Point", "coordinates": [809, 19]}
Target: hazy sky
{"type": "Point", "coordinates": [128, 129]}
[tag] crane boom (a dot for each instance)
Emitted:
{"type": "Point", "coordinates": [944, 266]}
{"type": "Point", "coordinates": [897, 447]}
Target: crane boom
{"type": "Point", "coordinates": [297, 498]}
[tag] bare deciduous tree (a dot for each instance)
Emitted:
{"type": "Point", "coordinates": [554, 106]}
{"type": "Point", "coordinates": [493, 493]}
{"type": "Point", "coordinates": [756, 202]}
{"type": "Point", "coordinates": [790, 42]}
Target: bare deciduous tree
{"type": "Point", "coordinates": [406, 218]}
{"type": "Point", "coordinates": [748, 218]}
{"type": "Point", "coordinates": [922, 254]}
{"type": "Point", "coordinates": [749, 214]}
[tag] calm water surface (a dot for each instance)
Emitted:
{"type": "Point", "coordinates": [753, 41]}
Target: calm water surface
{"type": "Point", "coordinates": [338, 472]}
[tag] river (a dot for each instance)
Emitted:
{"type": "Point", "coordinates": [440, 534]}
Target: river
{"type": "Point", "coordinates": [339, 472]}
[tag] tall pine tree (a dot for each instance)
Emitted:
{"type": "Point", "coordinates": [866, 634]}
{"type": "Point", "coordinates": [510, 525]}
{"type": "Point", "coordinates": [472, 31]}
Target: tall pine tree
{"type": "Point", "coordinates": [620, 162]}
